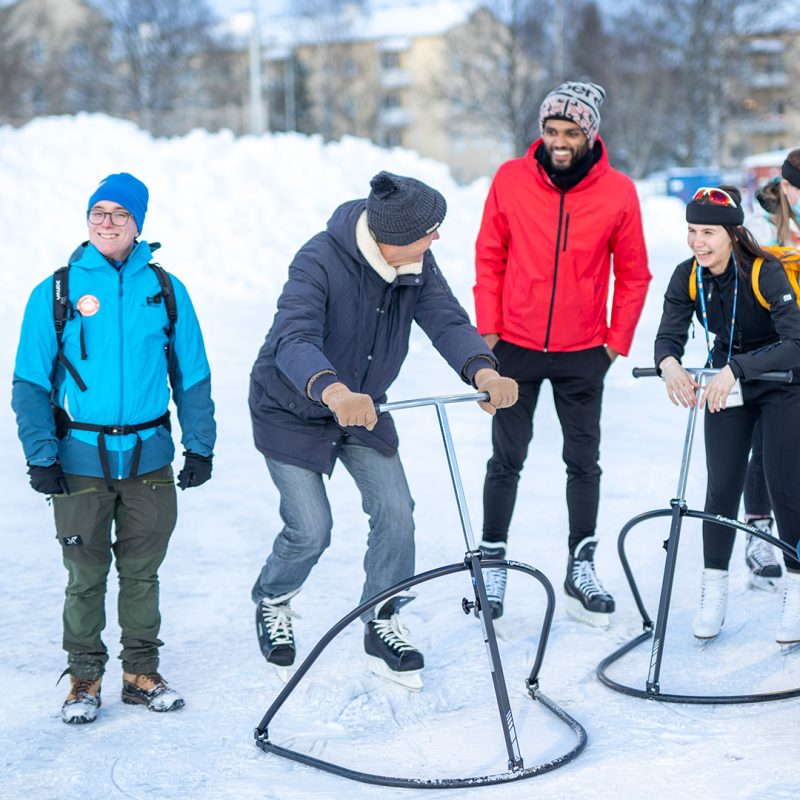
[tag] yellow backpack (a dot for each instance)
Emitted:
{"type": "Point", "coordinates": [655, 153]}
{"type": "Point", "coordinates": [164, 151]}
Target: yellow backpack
{"type": "Point", "coordinates": [789, 258]}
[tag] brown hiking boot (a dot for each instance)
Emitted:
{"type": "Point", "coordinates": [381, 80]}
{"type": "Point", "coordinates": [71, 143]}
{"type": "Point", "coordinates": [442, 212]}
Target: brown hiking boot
{"type": "Point", "coordinates": [151, 690]}
{"type": "Point", "coordinates": [82, 701]}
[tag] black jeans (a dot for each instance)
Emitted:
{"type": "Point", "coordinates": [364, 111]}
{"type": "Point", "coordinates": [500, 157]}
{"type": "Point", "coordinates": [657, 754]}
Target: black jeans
{"type": "Point", "coordinates": [728, 437]}
{"type": "Point", "coordinates": [577, 381]}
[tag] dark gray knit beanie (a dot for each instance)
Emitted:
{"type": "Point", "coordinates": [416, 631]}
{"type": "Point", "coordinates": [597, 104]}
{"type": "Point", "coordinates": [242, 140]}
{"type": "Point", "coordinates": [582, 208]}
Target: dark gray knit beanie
{"type": "Point", "coordinates": [402, 210]}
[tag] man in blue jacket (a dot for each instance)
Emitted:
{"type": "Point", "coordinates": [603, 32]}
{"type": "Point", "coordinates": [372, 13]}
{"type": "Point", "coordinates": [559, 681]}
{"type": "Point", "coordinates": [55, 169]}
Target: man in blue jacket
{"type": "Point", "coordinates": [337, 343]}
{"type": "Point", "coordinates": [91, 404]}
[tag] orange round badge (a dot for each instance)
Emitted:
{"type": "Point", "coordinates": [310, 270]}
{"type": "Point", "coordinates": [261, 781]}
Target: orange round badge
{"type": "Point", "coordinates": [88, 305]}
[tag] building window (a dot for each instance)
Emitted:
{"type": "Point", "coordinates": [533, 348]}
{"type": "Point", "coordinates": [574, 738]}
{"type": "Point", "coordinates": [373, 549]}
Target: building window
{"type": "Point", "coordinates": [390, 60]}
{"type": "Point", "coordinates": [390, 100]}
{"type": "Point", "coordinates": [392, 138]}
{"type": "Point", "coordinates": [349, 69]}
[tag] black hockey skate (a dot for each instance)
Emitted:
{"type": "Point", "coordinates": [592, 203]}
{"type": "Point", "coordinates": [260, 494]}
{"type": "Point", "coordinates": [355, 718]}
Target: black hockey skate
{"type": "Point", "coordinates": [587, 600]}
{"type": "Point", "coordinates": [275, 634]}
{"type": "Point", "coordinates": [495, 579]}
{"type": "Point", "coordinates": [391, 655]}
{"type": "Point", "coordinates": [765, 570]}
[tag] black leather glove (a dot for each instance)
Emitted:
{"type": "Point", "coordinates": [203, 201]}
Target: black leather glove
{"type": "Point", "coordinates": [49, 479]}
{"type": "Point", "coordinates": [196, 470]}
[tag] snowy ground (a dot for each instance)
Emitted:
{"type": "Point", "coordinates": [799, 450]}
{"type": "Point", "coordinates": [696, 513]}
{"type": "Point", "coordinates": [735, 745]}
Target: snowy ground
{"type": "Point", "coordinates": [230, 214]}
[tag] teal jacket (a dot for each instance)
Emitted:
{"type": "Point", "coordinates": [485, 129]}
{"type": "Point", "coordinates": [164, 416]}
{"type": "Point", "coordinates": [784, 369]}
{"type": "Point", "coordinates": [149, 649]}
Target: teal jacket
{"type": "Point", "coordinates": [123, 362]}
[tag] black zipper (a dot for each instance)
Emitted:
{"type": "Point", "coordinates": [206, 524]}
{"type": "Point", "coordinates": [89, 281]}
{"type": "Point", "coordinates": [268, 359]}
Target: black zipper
{"type": "Point", "coordinates": [566, 232]}
{"type": "Point", "coordinates": [555, 273]}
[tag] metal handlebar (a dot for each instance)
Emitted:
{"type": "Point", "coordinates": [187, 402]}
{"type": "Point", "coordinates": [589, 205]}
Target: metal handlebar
{"type": "Point", "coordinates": [784, 376]}
{"type": "Point", "coordinates": [432, 401]}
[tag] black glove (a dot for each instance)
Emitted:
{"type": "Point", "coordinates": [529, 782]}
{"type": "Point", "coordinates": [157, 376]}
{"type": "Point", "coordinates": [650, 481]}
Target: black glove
{"type": "Point", "coordinates": [196, 470]}
{"type": "Point", "coordinates": [49, 479]}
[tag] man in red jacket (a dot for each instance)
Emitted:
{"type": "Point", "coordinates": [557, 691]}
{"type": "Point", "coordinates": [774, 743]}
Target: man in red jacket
{"type": "Point", "coordinates": [554, 223]}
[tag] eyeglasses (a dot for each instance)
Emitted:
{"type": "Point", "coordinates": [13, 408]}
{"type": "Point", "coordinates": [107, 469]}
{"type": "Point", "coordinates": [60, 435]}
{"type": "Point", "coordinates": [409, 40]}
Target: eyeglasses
{"type": "Point", "coordinates": [118, 217]}
{"type": "Point", "coordinates": [718, 197]}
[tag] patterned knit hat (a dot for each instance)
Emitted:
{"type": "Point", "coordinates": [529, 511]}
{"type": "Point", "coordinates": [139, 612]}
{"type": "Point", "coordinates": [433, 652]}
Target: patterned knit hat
{"type": "Point", "coordinates": [402, 210]}
{"type": "Point", "coordinates": [576, 102]}
{"type": "Point", "coordinates": [125, 190]}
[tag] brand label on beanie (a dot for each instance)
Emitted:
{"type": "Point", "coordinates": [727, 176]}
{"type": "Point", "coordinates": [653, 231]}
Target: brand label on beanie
{"type": "Point", "coordinates": [88, 305]}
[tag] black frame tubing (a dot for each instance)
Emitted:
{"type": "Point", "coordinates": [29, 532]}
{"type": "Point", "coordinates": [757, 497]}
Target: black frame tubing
{"type": "Point", "coordinates": [475, 564]}
{"type": "Point", "coordinates": [532, 684]}
{"type": "Point", "coordinates": [677, 512]}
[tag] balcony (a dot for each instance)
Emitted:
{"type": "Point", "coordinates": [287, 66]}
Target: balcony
{"type": "Point", "coordinates": [395, 79]}
{"type": "Point", "coordinates": [396, 117]}
{"type": "Point", "coordinates": [766, 80]}
{"type": "Point", "coordinates": [772, 125]}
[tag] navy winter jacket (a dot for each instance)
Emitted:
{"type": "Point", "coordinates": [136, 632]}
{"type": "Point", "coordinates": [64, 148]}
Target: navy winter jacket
{"type": "Point", "coordinates": [124, 332]}
{"type": "Point", "coordinates": [338, 316]}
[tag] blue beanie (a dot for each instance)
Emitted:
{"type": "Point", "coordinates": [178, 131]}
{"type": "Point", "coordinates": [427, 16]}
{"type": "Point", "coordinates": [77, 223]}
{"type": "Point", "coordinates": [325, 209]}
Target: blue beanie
{"type": "Point", "coordinates": [127, 191]}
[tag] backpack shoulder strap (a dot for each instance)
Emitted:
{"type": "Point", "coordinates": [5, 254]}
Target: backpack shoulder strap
{"type": "Point", "coordinates": [63, 312]}
{"type": "Point", "coordinates": [165, 282]}
{"type": "Point", "coordinates": [756, 272]}
{"type": "Point", "coordinates": [62, 308]}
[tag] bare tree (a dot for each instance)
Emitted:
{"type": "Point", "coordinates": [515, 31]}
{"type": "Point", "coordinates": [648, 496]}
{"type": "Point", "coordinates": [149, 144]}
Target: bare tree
{"type": "Point", "coordinates": [703, 38]}
{"type": "Point", "coordinates": [494, 82]}
{"type": "Point", "coordinates": [340, 75]}
{"type": "Point", "coordinates": [15, 74]}
{"type": "Point", "coordinates": [161, 46]}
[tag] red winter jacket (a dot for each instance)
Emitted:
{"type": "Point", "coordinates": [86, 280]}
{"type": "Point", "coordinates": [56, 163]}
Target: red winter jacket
{"type": "Point", "coordinates": [543, 258]}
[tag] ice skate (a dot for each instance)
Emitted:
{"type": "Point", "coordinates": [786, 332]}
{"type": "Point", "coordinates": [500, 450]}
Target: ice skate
{"type": "Point", "coordinates": [765, 571]}
{"type": "Point", "coordinates": [587, 600]}
{"type": "Point", "coordinates": [390, 654]}
{"type": "Point", "coordinates": [788, 633]}
{"type": "Point", "coordinates": [713, 604]}
{"type": "Point", "coordinates": [495, 579]}
{"type": "Point", "coordinates": [275, 633]}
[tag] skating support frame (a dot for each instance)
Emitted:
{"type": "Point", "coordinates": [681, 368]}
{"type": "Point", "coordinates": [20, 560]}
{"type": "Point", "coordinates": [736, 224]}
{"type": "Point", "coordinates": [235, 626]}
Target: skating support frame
{"type": "Point", "coordinates": [677, 512]}
{"type": "Point", "coordinates": [474, 564]}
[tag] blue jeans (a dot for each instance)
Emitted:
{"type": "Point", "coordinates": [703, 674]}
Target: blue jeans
{"type": "Point", "coordinates": [307, 522]}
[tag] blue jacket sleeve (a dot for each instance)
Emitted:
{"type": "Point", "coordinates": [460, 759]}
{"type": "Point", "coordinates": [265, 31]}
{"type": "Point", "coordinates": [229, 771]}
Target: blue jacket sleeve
{"type": "Point", "coordinates": [298, 331]}
{"type": "Point", "coordinates": [33, 370]}
{"type": "Point", "coordinates": [190, 377]}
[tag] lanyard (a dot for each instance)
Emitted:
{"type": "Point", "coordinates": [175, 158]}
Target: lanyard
{"type": "Point", "coordinates": [704, 313]}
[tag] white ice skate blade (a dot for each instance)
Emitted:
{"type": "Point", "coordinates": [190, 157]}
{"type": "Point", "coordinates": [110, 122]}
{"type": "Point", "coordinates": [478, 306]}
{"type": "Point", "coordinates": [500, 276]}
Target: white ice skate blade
{"type": "Point", "coordinates": [411, 680]}
{"type": "Point", "coordinates": [283, 673]}
{"type": "Point", "coordinates": [702, 641]}
{"type": "Point", "coordinates": [762, 583]}
{"type": "Point", "coordinates": [575, 609]}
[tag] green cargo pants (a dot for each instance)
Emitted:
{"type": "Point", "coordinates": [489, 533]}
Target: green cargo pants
{"type": "Point", "coordinates": [144, 512]}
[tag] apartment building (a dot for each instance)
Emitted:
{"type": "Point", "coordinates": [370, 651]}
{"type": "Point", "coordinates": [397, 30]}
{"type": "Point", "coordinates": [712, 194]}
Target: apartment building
{"type": "Point", "coordinates": [765, 92]}
{"type": "Point", "coordinates": [384, 76]}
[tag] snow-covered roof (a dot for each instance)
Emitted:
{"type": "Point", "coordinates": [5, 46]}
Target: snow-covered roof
{"type": "Point", "coordinates": [411, 19]}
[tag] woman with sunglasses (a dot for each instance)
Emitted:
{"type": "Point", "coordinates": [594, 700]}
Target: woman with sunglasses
{"type": "Point", "coordinates": [749, 340]}
{"type": "Point", "coordinates": [780, 199]}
